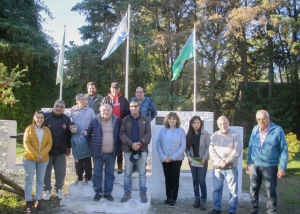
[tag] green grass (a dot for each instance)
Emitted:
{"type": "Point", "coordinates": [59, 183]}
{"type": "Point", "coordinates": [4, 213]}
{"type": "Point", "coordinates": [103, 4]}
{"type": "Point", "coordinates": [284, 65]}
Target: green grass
{"type": "Point", "coordinates": [19, 149]}
{"type": "Point", "coordinates": [10, 203]}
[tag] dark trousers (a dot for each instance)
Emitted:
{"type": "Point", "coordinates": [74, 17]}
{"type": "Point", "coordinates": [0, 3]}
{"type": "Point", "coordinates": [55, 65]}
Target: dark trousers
{"type": "Point", "coordinates": [269, 174]}
{"type": "Point", "coordinates": [84, 165]}
{"type": "Point", "coordinates": [172, 173]}
{"type": "Point", "coordinates": [120, 156]}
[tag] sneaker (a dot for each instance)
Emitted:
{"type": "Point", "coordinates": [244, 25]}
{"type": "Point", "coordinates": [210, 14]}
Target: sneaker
{"type": "Point", "coordinates": [46, 195]}
{"type": "Point", "coordinates": [90, 182]}
{"type": "Point", "coordinates": [203, 204]}
{"type": "Point", "coordinates": [39, 205]}
{"type": "Point", "coordinates": [60, 194]}
{"type": "Point", "coordinates": [215, 212]}
{"type": "Point", "coordinates": [172, 203]}
{"type": "Point", "coordinates": [167, 201]}
{"type": "Point", "coordinates": [97, 197]}
{"type": "Point", "coordinates": [120, 168]}
{"type": "Point", "coordinates": [143, 198]}
{"type": "Point", "coordinates": [109, 197]}
{"type": "Point", "coordinates": [126, 197]}
{"type": "Point", "coordinates": [80, 184]}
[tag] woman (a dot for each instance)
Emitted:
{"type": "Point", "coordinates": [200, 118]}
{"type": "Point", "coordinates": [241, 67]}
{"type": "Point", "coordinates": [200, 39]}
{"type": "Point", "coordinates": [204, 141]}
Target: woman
{"type": "Point", "coordinates": [170, 147]}
{"type": "Point", "coordinates": [37, 143]}
{"type": "Point", "coordinates": [198, 141]}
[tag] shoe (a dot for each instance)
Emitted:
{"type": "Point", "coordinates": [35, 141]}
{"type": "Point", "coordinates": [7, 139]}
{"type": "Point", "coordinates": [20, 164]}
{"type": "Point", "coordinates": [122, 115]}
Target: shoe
{"type": "Point", "coordinates": [120, 168]}
{"type": "Point", "coordinates": [126, 197]}
{"type": "Point", "coordinates": [28, 207]}
{"type": "Point", "coordinates": [231, 213]}
{"type": "Point", "coordinates": [97, 197]}
{"type": "Point", "coordinates": [143, 198]}
{"type": "Point", "coordinates": [80, 184]}
{"type": "Point", "coordinates": [203, 204]}
{"type": "Point", "coordinates": [215, 212]}
{"type": "Point", "coordinates": [197, 203]}
{"type": "Point", "coordinates": [109, 197]}
{"type": "Point", "coordinates": [39, 204]}
{"type": "Point", "coordinates": [167, 201]}
{"type": "Point", "coordinates": [46, 195]}
{"type": "Point", "coordinates": [172, 203]}
{"type": "Point", "coordinates": [60, 194]}
{"type": "Point", "coordinates": [134, 169]}
{"type": "Point", "coordinates": [90, 182]}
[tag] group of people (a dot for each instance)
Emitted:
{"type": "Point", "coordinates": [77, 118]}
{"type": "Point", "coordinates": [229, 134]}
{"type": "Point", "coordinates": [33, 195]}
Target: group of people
{"type": "Point", "coordinates": [101, 129]}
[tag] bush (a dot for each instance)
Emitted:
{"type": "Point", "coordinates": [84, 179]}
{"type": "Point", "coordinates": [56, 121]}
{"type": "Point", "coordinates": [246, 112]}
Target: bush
{"type": "Point", "coordinates": [293, 145]}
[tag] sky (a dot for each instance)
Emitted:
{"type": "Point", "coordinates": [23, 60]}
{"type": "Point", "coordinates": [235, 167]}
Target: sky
{"type": "Point", "coordinates": [61, 11]}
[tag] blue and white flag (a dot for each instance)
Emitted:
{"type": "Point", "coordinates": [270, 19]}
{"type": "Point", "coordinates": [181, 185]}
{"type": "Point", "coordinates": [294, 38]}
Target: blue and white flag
{"type": "Point", "coordinates": [120, 35]}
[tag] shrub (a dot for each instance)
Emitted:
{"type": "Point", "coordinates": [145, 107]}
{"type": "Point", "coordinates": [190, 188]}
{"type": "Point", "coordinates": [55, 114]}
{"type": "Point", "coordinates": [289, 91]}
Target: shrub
{"type": "Point", "coordinates": [293, 145]}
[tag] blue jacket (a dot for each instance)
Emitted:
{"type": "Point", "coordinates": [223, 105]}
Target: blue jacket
{"type": "Point", "coordinates": [273, 151]}
{"type": "Point", "coordinates": [178, 144]}
{"type": "Point", "coordinates": [93, 134]}
{"type": "Point", "coordinates": [147, 107]}
{"type": "Point", "coordinates": [80, 146]}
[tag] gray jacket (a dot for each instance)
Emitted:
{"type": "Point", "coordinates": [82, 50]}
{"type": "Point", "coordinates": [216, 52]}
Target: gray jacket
{"type": "Point", "coordinates": [178, 144]}
{"type": "Point", "coordinates": [203, 146]}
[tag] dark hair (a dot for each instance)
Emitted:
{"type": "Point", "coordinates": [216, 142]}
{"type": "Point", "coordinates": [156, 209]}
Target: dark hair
{"type": "Point", "coordinates": [191, 132]}
{"type": "Point", "coordinates": [90, 83]}
{"type": "Point", "coordinates": [35, 113]}
{"type": "Point", "coordinates": [141, 88]}
{"type": "Point", "coordinates": [172, 114]}
{"type": "Point", "coordinates": [72, 124]}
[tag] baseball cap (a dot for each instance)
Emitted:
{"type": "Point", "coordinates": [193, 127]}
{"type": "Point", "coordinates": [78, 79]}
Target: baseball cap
{"type": "Point", "coordinates": [115, 85]}
{"type": "Point", "coordinates": [135, 156]}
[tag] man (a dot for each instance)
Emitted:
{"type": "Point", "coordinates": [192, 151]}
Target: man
{"type": "Point", "coordinates": [225, 148]}
{"type": "Point", "coordinates": [57, 122]}
{"type": "Point", "coordinates": [103, 133]}
{"type": "Point", "coordinates": [94, 100]}
{"type": "Point", "coordinates": [135, 134]}
{"type": "Point", "coordinates": [267, 149]}
{"type": "Point", "coordinates": [147, 106]}
{"type": "Point", "coordinates": [120, 109]}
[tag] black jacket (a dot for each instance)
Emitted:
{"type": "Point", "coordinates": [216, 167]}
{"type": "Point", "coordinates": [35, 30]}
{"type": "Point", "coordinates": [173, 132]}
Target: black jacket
{"type": "Point", "coordinates": [124, 105]}
{"type": "Point", "coordinates": [61, 135]}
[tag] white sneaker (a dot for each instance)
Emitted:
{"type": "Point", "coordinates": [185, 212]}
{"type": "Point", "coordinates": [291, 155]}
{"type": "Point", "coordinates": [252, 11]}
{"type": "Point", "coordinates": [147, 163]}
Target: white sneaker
{"type": "Point", "coordinates": [46, 195]}
{"type": "Point", "coordinates": [60, 194]}
{"type": "Point", "coordinates": [90, 182]}
{"type": "Point", "coordinates": [80, 184]}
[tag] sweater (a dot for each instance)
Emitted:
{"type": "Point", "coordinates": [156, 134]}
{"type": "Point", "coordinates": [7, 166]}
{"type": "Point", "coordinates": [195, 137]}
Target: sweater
{"type": "Point", "coordinates": [274, 150]}
{"type": "Point", "coordinates": [225, 146]}
{"type": "Point", "coordinates": [31, 144]}
{"type": "Point", "coordinates": [177, 144]}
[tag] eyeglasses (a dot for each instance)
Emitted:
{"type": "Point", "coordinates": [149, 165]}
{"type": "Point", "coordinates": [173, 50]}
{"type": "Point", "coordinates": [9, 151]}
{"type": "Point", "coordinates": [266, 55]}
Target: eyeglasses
{"type": "Point", "coordinates": [58, 106]}
{"type": "Point", "coordinates": [139, 92]}
{"type": "Point", "coordinates": [135, 106]}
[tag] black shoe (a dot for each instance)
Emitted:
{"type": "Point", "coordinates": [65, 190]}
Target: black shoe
{"type": "Point", "coordinates": [143, 198]}
{"type": "Point", "coordinates": [197, 203]}
{"type": "Point", "coordinates": [231, 213]}
{"type": "Point", "coordinates": [215, 212]}
{"type": "Point", "coordinates": [120, 168]}
{"type": "Point", "coordinates": [109, 197]}
{"type": "Point", "coordinates": [203, 204]}
{"type": "Point", "coordinates": [167, 201]}
{"type": "Point", "coordinates": [39, 205]}
{"type": "Point", "coordinates": [97, 197]}
{"type": "Point", "coordinates": [126, 197]}
{"type": "Point", "coordinates": [172, 203]}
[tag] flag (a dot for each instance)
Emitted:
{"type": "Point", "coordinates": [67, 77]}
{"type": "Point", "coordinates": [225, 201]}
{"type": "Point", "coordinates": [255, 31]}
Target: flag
{"type": "Point", "coordinates": [120, 35]}
{"type": "Point", "coordinates": [186, 53]}
{"type": "Point", "coordinates": [59, 73]}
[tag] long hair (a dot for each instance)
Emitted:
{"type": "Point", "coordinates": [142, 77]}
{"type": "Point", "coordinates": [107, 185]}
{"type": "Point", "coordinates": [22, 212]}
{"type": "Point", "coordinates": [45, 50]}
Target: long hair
{"type": "Point", "coordinates": [191, 132]}
{"type": "Point", "coordinates": [36, 113]}
{"type": "Point", "coordinates": [172, 114]}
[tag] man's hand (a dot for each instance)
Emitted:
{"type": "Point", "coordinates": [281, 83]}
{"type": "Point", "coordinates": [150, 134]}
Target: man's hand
{"type": "Point", "coordinates": [77, 161]}
{"type": "Point", "coordinates": [223, 163]}
{"type": "Point", "coordinates": [135, 146]}
{"type": "Point", "coordinates": [68, 151]}
{"type": "Point", "coordinates": [281, 173]}
{"type": "Point", "coordinates": [248, 169]}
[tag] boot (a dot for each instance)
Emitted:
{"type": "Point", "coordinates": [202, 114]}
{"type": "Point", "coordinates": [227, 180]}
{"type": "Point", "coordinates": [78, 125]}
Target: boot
{"type": "Point", "coordinates": [28, 207]}
{"type": "Point", "coordinates": [203, 204]}
{"type": "Point", "coordinates": [197, 203]}
{"type": "Point", "coordinates": [39, 205]}
{"type": "Point", "coordinates": [120, 168]}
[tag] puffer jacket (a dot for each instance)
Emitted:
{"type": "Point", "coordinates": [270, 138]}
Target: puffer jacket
{"type": "Point", "coordinates": [31, 144]}
{"type": "Point", "coordinates": [94, 135]}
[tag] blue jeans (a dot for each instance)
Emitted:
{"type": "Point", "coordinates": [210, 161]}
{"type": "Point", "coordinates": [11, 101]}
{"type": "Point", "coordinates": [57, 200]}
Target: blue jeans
{"type": "Point", "coordinates": [231, 176]}
{"type": "Point", "coordinates": [107, 159]}
{"type": "Point", "coordinates": [141, 167]}
{"type": "Point", "coordinates": [32, 167]}
{"type": "Point", "coordinates": [269, 174]}
{"type": "Point", "coordinates": [199, 175]}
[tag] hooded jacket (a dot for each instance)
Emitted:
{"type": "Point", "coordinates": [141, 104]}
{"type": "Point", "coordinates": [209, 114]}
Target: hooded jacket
{"type": "Point", "coordinates": [80, 146]}
{"type": "Point", "coordinates": [124, 105]}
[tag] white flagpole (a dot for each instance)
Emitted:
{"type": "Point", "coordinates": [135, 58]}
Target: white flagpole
{"type": "Point", "coordinates": [60, 89]}
{"type": "Point", "coordinates": [127, 54]}
{"type": "Point", "coordinates": [195, 68]}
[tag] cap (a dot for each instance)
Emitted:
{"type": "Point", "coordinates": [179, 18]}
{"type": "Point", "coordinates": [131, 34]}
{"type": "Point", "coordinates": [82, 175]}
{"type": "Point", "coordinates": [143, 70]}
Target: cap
{"type": "Point", "coordinates": [78, 96]}
{"type": "Point", "coordinates": [135, 156]}
{"type": "Point", "coordinates": [115, 85]}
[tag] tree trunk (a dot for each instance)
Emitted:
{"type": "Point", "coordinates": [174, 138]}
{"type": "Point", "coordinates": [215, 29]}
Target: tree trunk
{"type": "Point", "coordinates": [16, 188]}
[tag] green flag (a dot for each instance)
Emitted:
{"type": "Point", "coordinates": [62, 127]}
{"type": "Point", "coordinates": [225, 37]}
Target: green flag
{"type": "Point", "coordinates": [186, 53]}
{"type": "Point", "coordinates": [59, 73]}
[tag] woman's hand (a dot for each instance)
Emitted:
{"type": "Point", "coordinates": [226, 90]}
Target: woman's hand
{"type": "Point", "coordinates": [203, 161]}
{"type": "Point", "coordinates": [39, 158]}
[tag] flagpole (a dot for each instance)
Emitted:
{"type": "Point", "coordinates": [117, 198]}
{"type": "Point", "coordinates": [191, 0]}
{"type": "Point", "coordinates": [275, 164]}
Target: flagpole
{"type": "Point", "coordinates": [60, 64]}
{"type": "Point", "coordinates": [195, 91]}
{"type": "Point", "coordinates": [60, 89]}
{"type": "Point", "coordinates": [127, 54]}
